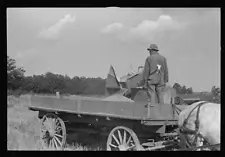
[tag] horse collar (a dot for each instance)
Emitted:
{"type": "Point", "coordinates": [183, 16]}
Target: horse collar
{"type": "Point", "coordinates": [183, 129]}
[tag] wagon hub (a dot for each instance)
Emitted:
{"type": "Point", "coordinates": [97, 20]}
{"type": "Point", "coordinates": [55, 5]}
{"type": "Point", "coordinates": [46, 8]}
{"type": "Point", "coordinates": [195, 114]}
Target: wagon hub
{"type": "Point", "coordinates": [123, 147]}
{"type": "Point", "coordinates": [50, 127]}
{"type": "Point", "coordinates": [51, 132]}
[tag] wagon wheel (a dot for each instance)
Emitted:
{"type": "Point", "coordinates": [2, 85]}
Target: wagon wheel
{"type": "Point", "coordinates": [122, 139]}
{"type": "Point", "coordinates": [53, 132]}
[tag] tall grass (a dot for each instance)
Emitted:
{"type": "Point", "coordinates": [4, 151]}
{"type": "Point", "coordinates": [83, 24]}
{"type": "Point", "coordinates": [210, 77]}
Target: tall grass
{"type": "Point", "coordinates": [23, 128]}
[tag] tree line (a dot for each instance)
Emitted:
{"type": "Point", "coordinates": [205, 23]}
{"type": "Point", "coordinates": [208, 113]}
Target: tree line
{"type": "Point", "coordinates": [50, 83]}
{"type": "Point", "coordinates": [182, 89]}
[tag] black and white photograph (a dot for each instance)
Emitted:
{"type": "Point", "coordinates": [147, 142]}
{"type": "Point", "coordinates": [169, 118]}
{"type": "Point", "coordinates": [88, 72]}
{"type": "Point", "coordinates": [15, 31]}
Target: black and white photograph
{"type": "Point", "coordinates": [113, 78]}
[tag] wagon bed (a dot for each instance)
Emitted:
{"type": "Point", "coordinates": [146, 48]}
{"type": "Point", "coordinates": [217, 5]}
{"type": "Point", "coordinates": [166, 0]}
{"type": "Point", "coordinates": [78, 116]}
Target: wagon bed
{"type": "Point", "coordinates": [100, 107]}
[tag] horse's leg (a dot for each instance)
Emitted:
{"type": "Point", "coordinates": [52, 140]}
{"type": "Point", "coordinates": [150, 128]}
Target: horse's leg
{"type": "Point", "coordinates": [182, 143]}
{"type": "Point", "coordinates": [199, 143]}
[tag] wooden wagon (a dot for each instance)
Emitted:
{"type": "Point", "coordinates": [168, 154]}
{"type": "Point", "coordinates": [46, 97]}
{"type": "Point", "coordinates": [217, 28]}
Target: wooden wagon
{"type": "Point", "coordinates": [129, 125]}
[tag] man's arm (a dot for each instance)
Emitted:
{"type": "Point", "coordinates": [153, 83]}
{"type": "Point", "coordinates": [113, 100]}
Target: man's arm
{"type": "Point", "coordinates": [166, 74]}
{"type": "Point", "coordinates": [146, 72]}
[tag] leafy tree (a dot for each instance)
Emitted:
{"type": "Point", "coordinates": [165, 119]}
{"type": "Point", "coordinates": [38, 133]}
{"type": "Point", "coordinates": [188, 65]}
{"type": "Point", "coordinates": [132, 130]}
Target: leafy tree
{"type": "Point", "coordinates": [54, 82]}
{"type": "Point", "coordinates": [95, 86]}
{"type": "Point", "coordinates": [28, 84]}
{"type": "Point", "coordinates": [215, 90]}
{"type": "Point", "coordinates": [15, 75]}
{"type": "Point", "coordinates": [189, 90]}
{"type": "Point", "coordinates": [182, 89]}
{"type": "Point", "coordinates": [177, 87]}
{"type": "Point", "coordinates": [50, 82]}
{"type": "Point", "coordinates": [79, 85]}
{"type": "Point", "coordinates": [216, 94]}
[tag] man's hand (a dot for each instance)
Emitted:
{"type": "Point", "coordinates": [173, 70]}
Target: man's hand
{"type": "Point", "coordinates": [145, 86]}
{"type": "Point", "coordinates": [140, 87]}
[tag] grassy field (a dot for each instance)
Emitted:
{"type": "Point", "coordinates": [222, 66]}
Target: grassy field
{"type": "Point", "coordinates": [23, 128]}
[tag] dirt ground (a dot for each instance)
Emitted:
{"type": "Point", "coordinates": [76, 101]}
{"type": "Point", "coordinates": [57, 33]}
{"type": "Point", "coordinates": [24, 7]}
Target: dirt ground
{"type": "Point", "coordinates": [23, 128]}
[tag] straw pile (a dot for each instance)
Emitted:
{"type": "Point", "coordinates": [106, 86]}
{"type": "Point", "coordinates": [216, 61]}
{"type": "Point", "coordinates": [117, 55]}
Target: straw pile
{"type": "Point", "coordinates": [117, 97]}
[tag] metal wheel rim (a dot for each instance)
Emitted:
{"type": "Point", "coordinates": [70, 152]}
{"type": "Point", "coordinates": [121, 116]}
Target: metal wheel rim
{"type": "Point", "coordinates": [122, 139]}
{"type": "Point", "coordinates": [53, 132]}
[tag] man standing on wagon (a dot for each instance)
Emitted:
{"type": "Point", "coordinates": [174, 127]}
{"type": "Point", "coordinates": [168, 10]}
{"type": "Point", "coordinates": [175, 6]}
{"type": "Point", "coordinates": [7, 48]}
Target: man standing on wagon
{"type": "Point", "coordinates": [155, 74]}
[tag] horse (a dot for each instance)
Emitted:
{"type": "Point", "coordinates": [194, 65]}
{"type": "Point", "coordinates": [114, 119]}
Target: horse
{"type": "Point", "coordinates": [199, 124]}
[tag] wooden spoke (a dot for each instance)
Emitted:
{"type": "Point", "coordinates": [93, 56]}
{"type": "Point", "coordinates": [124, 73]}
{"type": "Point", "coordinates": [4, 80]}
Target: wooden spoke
{"type": "Point", "coordinates": [116, 139]}
{"type": "Point", "coordinates": [56, 145]}
{"type": "Point", "coordinates": [58, 129]}
{"type": "Point", "coordinates": [53, 143]}
{"type": "Point", "coordinates": [128, 141]}
{"type": "Point", "coordinates": [58, 135]}
{"type": "Point", "coordinates": [57, 124]}
{"type": "Point", "coordinates": [113, 145]}
{"type": "Point", "coordinates": [50, 144]}
{"type": "Point", "coordinates": [58, 141]}
{"type": "Point", "coordinates": [52, 123]}
{"type": "Point", "coordinates": [124, 137]}
{"type": "Point", "coordinates": [47, 120]}
{"type": "Point", "coordinates": [132, 146]}
{"type": "Point", "coordinates": [47, 123]}
{"type": "Point", "coordinates": [120, 138]}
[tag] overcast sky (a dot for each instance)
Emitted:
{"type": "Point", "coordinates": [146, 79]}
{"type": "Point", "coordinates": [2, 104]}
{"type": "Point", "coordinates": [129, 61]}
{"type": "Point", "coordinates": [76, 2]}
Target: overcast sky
{"type": "Point", "coordinates": [86, 41]}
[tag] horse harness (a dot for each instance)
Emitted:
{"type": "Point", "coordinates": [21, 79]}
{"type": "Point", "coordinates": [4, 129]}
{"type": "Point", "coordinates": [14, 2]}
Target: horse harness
{"type": "Point", "coordinates": [196, 132]}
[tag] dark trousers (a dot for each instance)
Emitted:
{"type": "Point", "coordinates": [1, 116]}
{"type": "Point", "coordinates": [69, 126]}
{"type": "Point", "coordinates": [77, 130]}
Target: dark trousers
{"type": "Point", "coordinates": [155, 93]}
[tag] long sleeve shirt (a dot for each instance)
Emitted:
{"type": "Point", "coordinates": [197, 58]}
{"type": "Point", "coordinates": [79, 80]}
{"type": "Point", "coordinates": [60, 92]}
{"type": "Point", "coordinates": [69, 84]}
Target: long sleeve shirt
{"type": "Point", "coordinates": [153, 62]}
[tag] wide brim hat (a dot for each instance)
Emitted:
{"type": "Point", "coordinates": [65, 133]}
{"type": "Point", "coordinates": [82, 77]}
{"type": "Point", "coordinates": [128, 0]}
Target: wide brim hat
{"type": "Point", "coordinates": [153, 47]}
